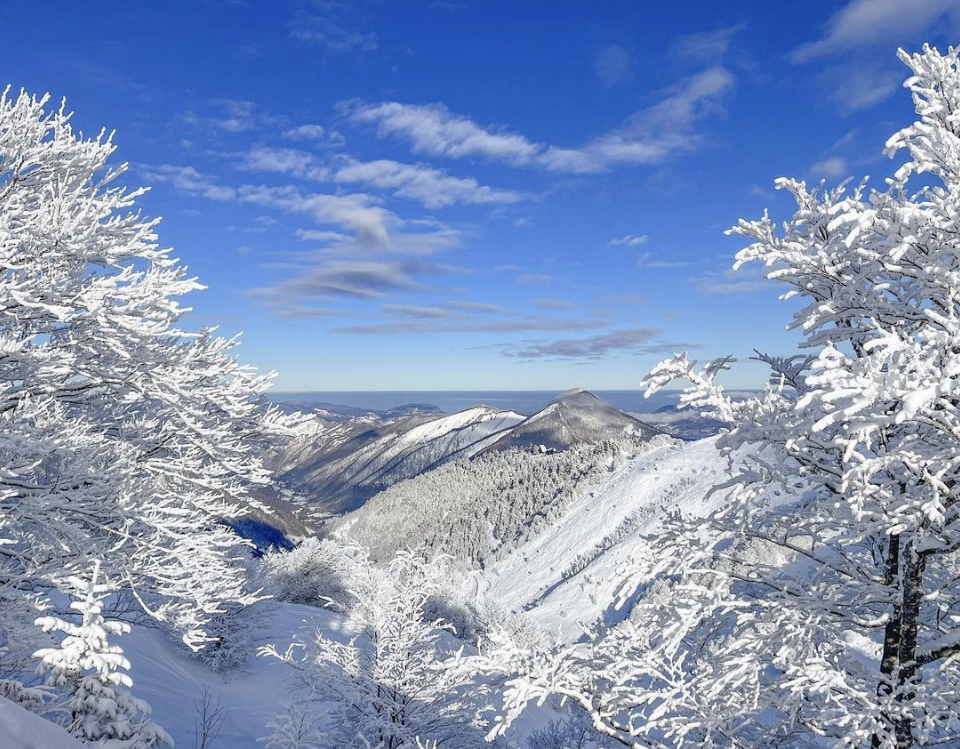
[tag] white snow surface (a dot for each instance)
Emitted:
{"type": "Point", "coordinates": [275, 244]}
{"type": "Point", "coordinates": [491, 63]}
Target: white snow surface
{"type": "Point", "coordinates": [471, 417]}
{"type": "Point", "coordinates": [674, 477]}
{"type": "Point", "coordinates": [21, 729]}
{"type": "Point", "coordinates": [172, 681]}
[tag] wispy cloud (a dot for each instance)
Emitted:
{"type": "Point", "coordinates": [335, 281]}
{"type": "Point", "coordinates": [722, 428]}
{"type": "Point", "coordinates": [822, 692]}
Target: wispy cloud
{"type": "Point", "coordinates": [428, 324]}
{"type": "Point", "coordinates": [285, 161]}
{"type": "Point", "coordinates": [834, 167]}
{"type": "Point", "coordinates": [534, 279]}
{"type": "Point", "coordinates": [187, 180]}
{"type": "Point", "coordinates": [650, 135]}
{"type": "Point", "coordinates": [626, 298]}
{"type": "Point", "coordinates": [231, 116]}
{"type": "Point", "coordinates": [553, 304]}
{"type": "Point", "coordinates": [315, 134]}
{"type": "Point", "coordinates": [431, 313]}
{"type": "Point", "coordinates": [484, 307]}
{"type": "Point", "coordinates": [355, 279]}
{"type": "Point", "coordinates": [432, 129]}
{"type": "Point", "coordinates": [730, 282]}
{"type": "Point", "coordinates": [328, 28]}
{"type": "Point", "coordinates": [434, 188]}
{"type": "Point", "coordinates": [629, 240]}
{"type": "Point", "coordinates": [863, 23]}
{"type": "Point", "coordinates": [705, 47]}
{"type": "Point", "coordinates": [614, 65]}
{"type": "Point", "coordinates": [371, 223]}
{"type": "Point", "coordinates": [628, 340]}
{"type": "Point", "coordinates": [859, 37]}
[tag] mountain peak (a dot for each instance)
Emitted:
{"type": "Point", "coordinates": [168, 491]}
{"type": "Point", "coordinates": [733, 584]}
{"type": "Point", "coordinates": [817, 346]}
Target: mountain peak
{"type": "Point", "coordinates": [576, 395]}
{"type": "Point", "coordinates": [574, 417]}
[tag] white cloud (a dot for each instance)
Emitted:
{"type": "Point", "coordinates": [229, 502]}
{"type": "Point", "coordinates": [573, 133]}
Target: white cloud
{"type": "Point", "coordinates": [706, 46]}
{"type": "Point", "coordinates": [333, 34]}
{"type": "Point", "coordinates": [867, 22]}
{"type": "Point", "coordinates": [285, 161]}
{"type": "Point", "coordinates": [188, 180]}
{"type": "Point", "coordinates": [834, 167]}
{"type": "Point", "coordinates": [859, 40]}
{"type": "Point", "coordinates": [356, 211]}
{"type": "Point", "coordinates": [434, 130]}
{"type": "Point", "coordinates": [630, 240]}
{"type": "Point", "coordinates": [614, 65]}
{"type": "Point", "coordinates": [315, 134]}
{"type": "Point", "coordinates": [232, 116]}
{"type": "Point", "coordinates": [484, 307]}
{"type": "Point", "coordinates": [433, 188]}
{"type": "Point", "coordinates": [349, 278]}
{"type": "Point", "coordinates": [632, 340]}
{"type": "Point", "coordinates": [653, 134]}
{"type": "Point", "coordinates": [407, 310]}
{"type": "Point", "coordinates": [747, 279]}
{"type": "Point", "coordinates": [856, 89]}
{"type": "Point", "coordinates": [647, 137]}
{"type": "Point", "coordinates": [305, 132]}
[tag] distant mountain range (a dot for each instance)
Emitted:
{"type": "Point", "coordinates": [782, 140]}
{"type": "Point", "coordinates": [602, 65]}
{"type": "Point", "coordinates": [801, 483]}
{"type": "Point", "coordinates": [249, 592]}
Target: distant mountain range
{"type": "Point", "coordinates": [347, 455]}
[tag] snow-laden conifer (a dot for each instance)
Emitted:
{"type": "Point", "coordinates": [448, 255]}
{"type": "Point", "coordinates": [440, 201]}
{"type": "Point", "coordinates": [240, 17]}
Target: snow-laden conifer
{"type": "Point", "coordinates": [89, 672]}
{"type": "Point", "coordinates": [391, 687]}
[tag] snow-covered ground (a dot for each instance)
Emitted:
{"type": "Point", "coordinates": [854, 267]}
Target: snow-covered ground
{"type": "Point", "coordinates": [173, 682]}
{"type": "Point", "coordinates": [21, 729]}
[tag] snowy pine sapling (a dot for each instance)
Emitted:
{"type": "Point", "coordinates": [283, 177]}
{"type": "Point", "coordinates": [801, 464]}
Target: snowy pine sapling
{"type": "Point", "coordinates": [89, 673]}
{"type": "Point", "coordinates": [820, 606]}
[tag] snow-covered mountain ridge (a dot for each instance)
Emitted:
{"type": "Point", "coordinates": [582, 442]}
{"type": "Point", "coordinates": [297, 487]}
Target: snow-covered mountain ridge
{"type": "Point", "coordinates": [336, 467]}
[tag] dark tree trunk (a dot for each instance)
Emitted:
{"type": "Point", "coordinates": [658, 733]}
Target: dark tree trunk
{"type": "Point", "coordinates": [898, 665]}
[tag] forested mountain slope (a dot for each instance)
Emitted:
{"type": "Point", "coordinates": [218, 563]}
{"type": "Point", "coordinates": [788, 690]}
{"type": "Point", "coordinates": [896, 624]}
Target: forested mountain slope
{"type": "Point", "coordinates": [481, 509]}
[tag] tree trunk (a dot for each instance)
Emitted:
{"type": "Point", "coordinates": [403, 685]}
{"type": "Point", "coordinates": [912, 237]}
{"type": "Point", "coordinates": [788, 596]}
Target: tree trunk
{"type": "Point", "coordinates": [890, 659]}
{"type": "Point", "coordinates": [898, 665]}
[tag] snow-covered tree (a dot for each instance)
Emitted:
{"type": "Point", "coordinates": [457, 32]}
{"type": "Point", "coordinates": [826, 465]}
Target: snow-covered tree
{"type": "Point", "coordinates": [295, 727]}
{"type": "Point", "coordinates": [122, 438]}
{"type": "Point", "coordinates": [821, 605]}
{"type": "Point", "coordinates": [89, 673]}
{"type": "Point", "coordinates": [391, 686]}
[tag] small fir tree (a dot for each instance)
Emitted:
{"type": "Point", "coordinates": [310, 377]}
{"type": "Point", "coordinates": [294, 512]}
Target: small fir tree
{"type": "Point", "coordinates": [89, 673]}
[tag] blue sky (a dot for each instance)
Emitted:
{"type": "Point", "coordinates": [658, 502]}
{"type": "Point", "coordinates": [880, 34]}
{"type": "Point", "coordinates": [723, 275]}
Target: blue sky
{"type": "Point", "coordinates": [478, 194]}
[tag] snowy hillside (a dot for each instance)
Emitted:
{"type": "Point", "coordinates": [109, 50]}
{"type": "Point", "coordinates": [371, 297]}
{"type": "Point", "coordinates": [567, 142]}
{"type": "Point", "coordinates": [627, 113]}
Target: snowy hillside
{"type": "Point", "coordinates": [573, 571]}
{"type": "Point", "coordinates": [338, 469]}
{"type": "Point", "coordinates": [481, 509]}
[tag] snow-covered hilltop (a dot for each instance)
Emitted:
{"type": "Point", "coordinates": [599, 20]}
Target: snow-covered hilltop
{"type": "Point", "coordinates": [575, 417]}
